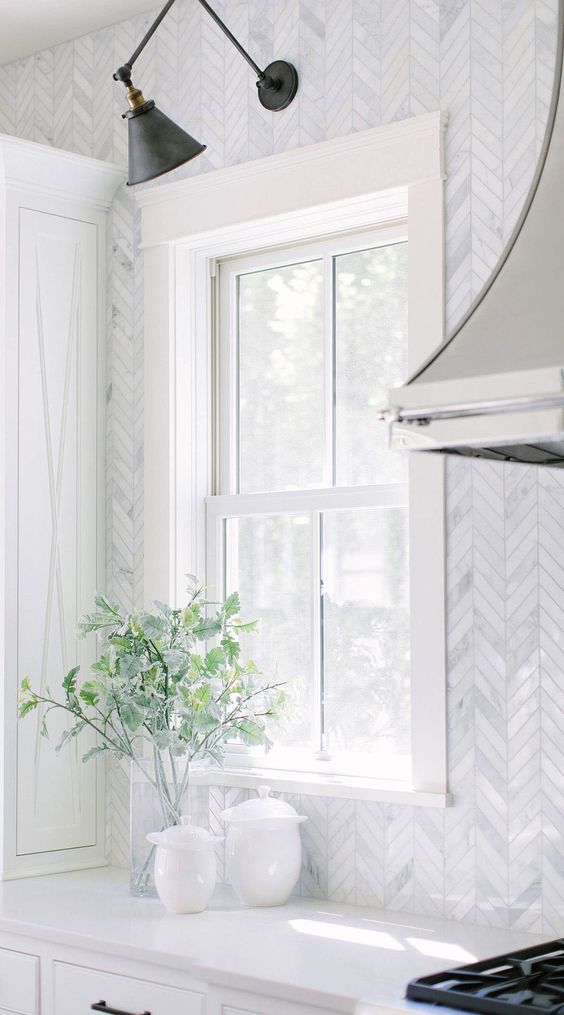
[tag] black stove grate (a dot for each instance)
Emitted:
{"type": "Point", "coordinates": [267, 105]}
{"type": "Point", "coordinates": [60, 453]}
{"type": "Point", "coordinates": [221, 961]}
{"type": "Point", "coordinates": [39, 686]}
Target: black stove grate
{"type": "Point", "coordinates": [531, 980]}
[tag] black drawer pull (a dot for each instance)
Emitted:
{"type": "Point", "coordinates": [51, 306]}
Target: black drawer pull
{"type": "Point", "coordinates": [102, 1006]}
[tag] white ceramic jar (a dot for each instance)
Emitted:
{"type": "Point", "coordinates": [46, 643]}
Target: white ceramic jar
{"type": "Point", "coordinates": [263, 849]}
{"type": "Point", "coordinates": [185, 866]}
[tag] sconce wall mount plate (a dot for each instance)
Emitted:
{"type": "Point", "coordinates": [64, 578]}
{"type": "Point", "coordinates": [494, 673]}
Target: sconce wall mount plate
{"type": "Point", "coordinates": [285, 77]}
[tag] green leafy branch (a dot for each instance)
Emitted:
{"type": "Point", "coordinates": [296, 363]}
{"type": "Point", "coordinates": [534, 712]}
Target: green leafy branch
{"type": "Point", "coordinates": [170, 678]}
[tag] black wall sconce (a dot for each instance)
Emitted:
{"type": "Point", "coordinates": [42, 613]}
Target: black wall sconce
{"type": "Point", "coordinates": [157, 144]}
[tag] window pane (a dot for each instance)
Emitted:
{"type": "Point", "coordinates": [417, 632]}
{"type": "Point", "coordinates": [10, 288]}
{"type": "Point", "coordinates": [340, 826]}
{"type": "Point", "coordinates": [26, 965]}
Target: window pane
{"type": "Point", "coordinates": [366, 631]}
{"type": "Point", "coordinates": [370, 358]}
{"type": "Point", "coordinates": [281, 378]}
{"type": "Point", "coordinates": [269, 563]}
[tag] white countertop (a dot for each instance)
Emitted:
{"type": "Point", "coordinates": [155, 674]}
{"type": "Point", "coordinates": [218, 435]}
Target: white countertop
{"type": "Point", "coordinates": [345, 958]}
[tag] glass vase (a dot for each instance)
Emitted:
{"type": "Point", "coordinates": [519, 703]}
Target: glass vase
{"type": "Point", "coordinates": [159, 797]}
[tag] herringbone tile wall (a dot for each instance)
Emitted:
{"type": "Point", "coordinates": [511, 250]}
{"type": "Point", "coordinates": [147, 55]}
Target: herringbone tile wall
{"type": "Point", "coordinates": [498, 855]}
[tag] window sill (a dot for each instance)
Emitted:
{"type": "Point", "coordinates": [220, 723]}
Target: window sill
{"type": "Point", "coordinates": [348, 786]}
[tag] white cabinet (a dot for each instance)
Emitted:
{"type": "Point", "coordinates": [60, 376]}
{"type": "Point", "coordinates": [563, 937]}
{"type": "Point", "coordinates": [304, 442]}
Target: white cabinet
{"type": "Point", "coordinates": [53, 210]}
{"type": "Point", "coordinates": [65, 980]}
{"type": "Point", "coordinates": [76, 989]}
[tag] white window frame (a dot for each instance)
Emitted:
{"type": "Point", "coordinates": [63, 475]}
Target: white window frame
{"type": "Point", "coordinates": [371, 179]}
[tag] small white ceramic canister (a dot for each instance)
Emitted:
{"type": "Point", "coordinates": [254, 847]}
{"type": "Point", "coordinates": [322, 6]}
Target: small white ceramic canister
{"type": "Point", "coordinates": [263, 849]}
{"type": "Point", "coordinates": [185, 866]}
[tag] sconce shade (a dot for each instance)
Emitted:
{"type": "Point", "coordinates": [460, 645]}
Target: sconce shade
{"type": "Point", "coordinates": [156, 144]}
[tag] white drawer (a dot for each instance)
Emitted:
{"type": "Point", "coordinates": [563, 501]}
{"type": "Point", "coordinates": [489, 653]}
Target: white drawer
{"type": "Point", "coordinates": [229, 1010]}
{"type": "Point", "coordinates": [77, 989]}
{"type": "Point", "coordinates": [19, 982]}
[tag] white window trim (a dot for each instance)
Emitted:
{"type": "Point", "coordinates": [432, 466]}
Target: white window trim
{"type": "Point", "coordinates": [363, 181]}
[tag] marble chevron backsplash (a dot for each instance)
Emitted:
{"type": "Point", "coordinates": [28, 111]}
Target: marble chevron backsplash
{"type": "Point", "coordinates": [497, 856]}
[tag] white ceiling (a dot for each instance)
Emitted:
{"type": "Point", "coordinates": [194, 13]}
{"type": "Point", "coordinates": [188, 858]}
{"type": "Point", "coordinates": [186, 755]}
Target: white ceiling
{"type": "Point", "coordinates": [26, 26]}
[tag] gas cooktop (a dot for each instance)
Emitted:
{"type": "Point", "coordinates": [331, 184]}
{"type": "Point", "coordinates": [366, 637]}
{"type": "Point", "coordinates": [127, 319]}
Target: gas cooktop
{"type": "Point", "coordinates": [531, 980]}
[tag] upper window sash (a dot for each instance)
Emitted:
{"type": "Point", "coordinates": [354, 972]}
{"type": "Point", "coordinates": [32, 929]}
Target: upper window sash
{"type": "Point", "coordinates": [227, 433]}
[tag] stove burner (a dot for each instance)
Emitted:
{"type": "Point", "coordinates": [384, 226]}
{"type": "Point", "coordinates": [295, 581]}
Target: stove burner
{"type": "Point", "coordinates": [531, 979]}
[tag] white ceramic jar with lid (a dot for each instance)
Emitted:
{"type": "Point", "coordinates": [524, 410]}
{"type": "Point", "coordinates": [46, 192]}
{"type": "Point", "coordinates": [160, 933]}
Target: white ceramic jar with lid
{"type": "Point", "coordinates": [263, 849]}
{"type": "Point", "coordinates": [185, 866]}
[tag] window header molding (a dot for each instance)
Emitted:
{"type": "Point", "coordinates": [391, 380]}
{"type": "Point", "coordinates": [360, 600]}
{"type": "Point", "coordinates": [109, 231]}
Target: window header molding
{"type": "Point", "coordinates": [382, 161]}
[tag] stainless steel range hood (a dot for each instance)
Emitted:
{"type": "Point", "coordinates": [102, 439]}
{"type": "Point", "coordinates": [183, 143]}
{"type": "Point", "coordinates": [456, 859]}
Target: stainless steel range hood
{"type": "Point", "coordinates": [495, 388]}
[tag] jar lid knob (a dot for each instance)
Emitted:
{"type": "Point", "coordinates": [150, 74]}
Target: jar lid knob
{"type": "Point", "coordinates": [263, 792]}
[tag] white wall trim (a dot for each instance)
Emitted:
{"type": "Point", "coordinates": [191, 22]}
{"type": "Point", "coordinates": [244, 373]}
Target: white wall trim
{"type": "Point", "coordinates": [38, 169]}
{"type": "Point", "coordinates": [320, 784]}
{"type": "Point", "coordinates": [360, 182]}
{"type": "Point", "coordinates": [417, 128]}
{"type": "Point", "coordinates": [366, 164]}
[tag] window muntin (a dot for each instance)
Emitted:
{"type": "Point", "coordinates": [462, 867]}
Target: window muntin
{"type": "Point", "coordinates": [326, 575]}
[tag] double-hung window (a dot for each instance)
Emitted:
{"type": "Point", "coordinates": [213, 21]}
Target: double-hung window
{"type": "Point", "coordinates": [310, 521]}
{"type": "Point", "coordinates": [266, 465]}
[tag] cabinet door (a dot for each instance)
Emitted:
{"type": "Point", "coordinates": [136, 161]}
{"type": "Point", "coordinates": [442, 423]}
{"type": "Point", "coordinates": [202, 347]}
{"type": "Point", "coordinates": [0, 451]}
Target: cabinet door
{"type": "Point", "coordinates": [19, 982]}
{"type": "Point", "coordinates": [57, 515]}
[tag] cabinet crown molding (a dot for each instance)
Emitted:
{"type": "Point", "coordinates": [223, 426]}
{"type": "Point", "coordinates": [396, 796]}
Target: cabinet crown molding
{"type": "Point", "coordinates": [25, 165]}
